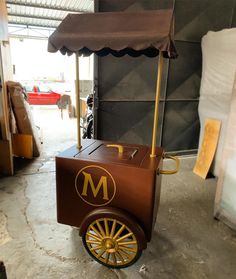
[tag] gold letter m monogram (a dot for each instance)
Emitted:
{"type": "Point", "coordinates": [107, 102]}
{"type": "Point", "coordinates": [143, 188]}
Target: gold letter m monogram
{"type": "Point", "coordinates": [89, 181]}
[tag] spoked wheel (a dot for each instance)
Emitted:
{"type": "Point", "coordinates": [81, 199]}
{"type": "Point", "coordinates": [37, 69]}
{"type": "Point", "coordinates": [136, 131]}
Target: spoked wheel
{"type": "Point", "coordinates": [111, 243]}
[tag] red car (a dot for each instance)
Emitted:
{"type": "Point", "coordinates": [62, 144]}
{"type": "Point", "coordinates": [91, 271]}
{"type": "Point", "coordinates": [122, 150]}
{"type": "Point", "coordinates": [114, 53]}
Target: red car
{"type": "Point", "coordinates": [41, 96]}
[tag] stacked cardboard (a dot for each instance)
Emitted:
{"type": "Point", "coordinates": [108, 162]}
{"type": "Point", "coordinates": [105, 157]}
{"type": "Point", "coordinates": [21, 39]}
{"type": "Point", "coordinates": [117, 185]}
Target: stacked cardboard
{"type": "Point", "coordinates": [23, 116]}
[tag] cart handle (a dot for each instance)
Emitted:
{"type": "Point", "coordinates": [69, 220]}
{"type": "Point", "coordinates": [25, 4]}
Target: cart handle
{"type": "Point", "coordinates": [120, 147]}
{"type": "Point", "coordinates": [176, 168]}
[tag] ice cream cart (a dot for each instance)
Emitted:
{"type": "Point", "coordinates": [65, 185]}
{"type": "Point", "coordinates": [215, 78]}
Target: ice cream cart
{"type": "Point", "coordinates": [111, 191]}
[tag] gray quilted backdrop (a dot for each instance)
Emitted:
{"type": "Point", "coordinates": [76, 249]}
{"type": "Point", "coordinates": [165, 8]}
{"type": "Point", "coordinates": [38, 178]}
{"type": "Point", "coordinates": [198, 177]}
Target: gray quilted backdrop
{"type": "Point", "coordinates": [125, 87]}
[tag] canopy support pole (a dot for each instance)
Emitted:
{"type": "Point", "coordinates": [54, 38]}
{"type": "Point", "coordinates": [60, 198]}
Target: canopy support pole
{"type": "Point", "coordinates": [77, 96]}
{"type": "Point", "coordinates": [156, 112]}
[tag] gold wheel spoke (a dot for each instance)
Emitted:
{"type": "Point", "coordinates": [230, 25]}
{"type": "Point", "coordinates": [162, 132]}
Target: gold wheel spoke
{"type": "Point", "coordinates": [114, 258]}
{"type": "Point", "coordinates": [127, 243]}
{"type": "Point", "coordinates": [96, 231]}
{"type": "Point", "coordinates": [128, 249]}
{"type": "Point", "coordinates": [120, 257]}
{"type": "Point", "coordinates": [94, 236]}
{"type": "Point", "coordinates": [101, 253]}
{"type": "Point", "coordinates": [106, 227]}
{"type": "Point", "coordinates": [129, 256]}
{"type": "Point", "coordinates": [93, 242]}
{"type": "Point", "coordinates": [125, 236]}
{"type": "Point", "coordinates": [119, 231]}
{"type": "Point", "coordinates": [107, 257]}
{"type": "Point", "coordinates": [100, 228]}
{"type": "Point", "coordinates": [96, 248]}
{"type": "Point", "coordinates": [113, 228]}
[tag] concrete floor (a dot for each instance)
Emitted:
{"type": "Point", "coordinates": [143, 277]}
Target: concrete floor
{"type": "Point", "coordinates": [187, 241]}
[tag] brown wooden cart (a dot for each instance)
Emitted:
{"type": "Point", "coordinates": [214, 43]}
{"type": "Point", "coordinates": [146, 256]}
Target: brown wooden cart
{"type": "Point", "coordinates": [111, 191]}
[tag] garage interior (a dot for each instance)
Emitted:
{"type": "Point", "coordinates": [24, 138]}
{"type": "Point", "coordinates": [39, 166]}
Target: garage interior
{"type": "Point", "coordinates": [189, 239]}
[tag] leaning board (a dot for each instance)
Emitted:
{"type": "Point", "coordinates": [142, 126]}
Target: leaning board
{"type": "Point", "coordinates": [208, 147]}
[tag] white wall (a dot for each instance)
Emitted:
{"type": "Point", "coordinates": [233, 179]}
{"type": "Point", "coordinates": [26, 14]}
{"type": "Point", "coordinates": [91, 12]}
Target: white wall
{"type": "Point", "coordinates": [33, 62]}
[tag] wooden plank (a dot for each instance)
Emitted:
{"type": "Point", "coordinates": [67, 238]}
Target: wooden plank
{"type": "Point", "coordinates": [6, 159]}
{"type": "Point", "coordinates": [208, 147]}
{"type": "Point", "coordinates": [6, 145]}
{"type": "Point", "coordinates": [22, 145]}
{"type": "Point", "coordinates": [3, 21]}
{"type": "Point", "coordinates": [3, 101]}
{"type": "Point", "coordinates": [6, 61]}
{"type": "Point", "coordinates": [6, 73]}
{"type": "Point", "coordinates": [2, 130]}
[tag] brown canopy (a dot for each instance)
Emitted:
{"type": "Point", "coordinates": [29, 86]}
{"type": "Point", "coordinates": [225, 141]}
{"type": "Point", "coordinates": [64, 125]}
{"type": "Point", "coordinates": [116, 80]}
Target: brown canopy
{"type": "Point", "coordinates": [116, 33]}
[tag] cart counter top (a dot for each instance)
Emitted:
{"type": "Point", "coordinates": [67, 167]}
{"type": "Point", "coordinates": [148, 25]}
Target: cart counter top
{"type": "Point", "coordinates": [123, 154]}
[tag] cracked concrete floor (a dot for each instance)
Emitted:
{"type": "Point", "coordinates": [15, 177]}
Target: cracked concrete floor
{"type": "Point", "coordinates": [187, 241]}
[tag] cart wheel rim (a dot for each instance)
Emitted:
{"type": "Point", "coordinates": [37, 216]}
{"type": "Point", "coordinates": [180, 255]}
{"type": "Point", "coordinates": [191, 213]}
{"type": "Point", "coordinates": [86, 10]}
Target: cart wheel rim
{"type": "Point", "coordinates": [111, 242]}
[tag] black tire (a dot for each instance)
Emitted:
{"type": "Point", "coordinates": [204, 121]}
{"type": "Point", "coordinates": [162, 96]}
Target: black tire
{"type": "Point", "coordinates": [89, 133]}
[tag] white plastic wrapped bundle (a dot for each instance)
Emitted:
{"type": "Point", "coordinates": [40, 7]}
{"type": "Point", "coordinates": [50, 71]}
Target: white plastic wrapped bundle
{"type": "Point", "coordinates": [218, 71]}
{"type": "Point", "coordinates": [225, 202]}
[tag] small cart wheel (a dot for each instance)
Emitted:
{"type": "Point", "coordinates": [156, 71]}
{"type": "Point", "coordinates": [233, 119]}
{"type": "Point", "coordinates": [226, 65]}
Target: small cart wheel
{"type": "Point", "coordinates": [111, 243]}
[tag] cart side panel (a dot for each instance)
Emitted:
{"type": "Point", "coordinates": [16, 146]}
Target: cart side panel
{"type": "Point", "coordinates": [67, 201]}
{"type": "Point", "coordinates": [133, 192]}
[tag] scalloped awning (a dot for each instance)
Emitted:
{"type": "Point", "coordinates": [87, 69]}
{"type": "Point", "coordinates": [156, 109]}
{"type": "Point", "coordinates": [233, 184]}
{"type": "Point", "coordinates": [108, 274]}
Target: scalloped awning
{"type": "Point", "coordinates": [116, 33]}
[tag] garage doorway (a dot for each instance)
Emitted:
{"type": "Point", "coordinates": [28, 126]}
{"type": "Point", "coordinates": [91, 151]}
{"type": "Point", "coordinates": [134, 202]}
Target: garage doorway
{"type": "Point", "coordinates": [47, 78]}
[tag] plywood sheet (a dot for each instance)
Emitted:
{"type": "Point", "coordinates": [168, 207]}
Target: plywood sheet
{"type": "Point", "coordinates": [208, 147]}
{"type": "Point", "coordinates": [3, 21]}
{"type": "Point", "coordinates": [6, 160]}
{"type": "Point", "coordinates": [6, 61]}
{"type": "Point", "coordinates": [4, 74]}
{"type": "Point", "coordinates": [22, 145]}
